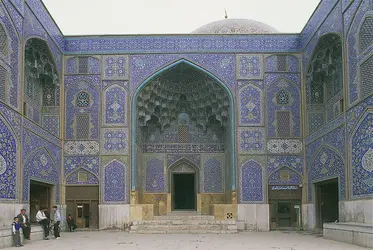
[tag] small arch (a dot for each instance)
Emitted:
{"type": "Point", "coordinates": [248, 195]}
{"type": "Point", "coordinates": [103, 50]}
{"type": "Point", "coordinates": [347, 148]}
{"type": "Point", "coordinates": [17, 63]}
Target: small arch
{"type": "Point", "coordinates": [254, 191]}
{"type": "Point", "coordinates": [291, 170]}
{"type": "Point", "coordinates": [192, 168]}
{"type": "Point", "coordinates": [80, 169]}
{"type": "Point", "coordinates": [117, 190]}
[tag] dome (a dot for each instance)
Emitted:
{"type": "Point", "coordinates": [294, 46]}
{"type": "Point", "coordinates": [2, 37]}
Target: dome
{"type": "Point", "coordinates": [235, 26]}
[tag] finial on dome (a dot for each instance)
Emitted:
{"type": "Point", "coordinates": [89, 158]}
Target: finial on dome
{"type": "Point", "coordinates": [226, 14]}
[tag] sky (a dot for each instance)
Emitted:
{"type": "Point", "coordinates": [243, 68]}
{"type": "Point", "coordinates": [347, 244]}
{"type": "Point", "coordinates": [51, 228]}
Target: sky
{"type": "Point", "coordinates": [106, 17]}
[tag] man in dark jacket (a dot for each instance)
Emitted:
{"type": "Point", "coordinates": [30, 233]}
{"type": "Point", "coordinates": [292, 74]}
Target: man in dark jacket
{"type": "Point", "coordinates": [71, 223]}
{"type": "Point", "coordinates": [25, 223]}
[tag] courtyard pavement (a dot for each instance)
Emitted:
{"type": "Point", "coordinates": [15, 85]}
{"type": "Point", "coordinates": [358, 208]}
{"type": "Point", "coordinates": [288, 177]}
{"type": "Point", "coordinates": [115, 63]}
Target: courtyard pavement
{"type": "Point", "coordinates": [246, 240]}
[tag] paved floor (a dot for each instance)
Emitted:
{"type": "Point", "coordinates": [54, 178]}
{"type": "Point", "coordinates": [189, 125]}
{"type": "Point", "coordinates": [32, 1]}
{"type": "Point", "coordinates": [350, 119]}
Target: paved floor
{"type": "Point", "coordinates": [247, 240]}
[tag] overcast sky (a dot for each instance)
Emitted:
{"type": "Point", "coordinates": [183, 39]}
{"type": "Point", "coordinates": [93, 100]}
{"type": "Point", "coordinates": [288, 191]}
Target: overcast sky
{"type": "Point", "coordinates": [87, 17]}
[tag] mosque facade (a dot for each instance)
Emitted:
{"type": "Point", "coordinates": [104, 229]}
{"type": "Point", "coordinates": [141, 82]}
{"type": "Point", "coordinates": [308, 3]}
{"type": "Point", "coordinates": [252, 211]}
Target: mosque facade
{"type": "Point", "coordinates": [234, 120]}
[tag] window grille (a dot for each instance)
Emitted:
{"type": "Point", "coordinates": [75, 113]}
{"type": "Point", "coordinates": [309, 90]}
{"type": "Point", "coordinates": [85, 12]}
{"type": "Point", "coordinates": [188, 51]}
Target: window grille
{"type": "Point", "coordinates": [366, 34]}
{"type": "Point", "coordinates": [82, 126]}
{"type": "Point", "coordinates": [283, 119]}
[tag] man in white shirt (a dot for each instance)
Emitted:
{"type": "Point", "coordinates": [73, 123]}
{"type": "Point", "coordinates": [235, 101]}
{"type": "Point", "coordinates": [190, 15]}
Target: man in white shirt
{"type": "Point", "coordinates": [57, 220]}
{"type": "Point", "coordinates": [44, 222]}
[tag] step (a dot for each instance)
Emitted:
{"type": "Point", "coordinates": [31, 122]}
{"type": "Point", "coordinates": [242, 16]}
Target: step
{"type": "Point", "coordinates": [180, 227]}
{"type": "Point", "coordinates": [184, 232]}
{"type": "Point", "coordinates": [185, 217]}
{"type": "Point", "coordinates": [184, 222]}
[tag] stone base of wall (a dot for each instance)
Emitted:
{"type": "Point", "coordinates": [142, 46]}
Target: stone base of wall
{"type": "Point", "coordinates": [114, 217]}
{"type": "Point", "coordinates": [254, 216]}
{"type": "Point", "coordinates": [224, 211]}
{"type": "Point", "coordinates": [358, 211]}
{"type": "Point", "coordinates": [309, 217]}
{"type": "Point", "coordinates": [9, 211]}
{"type": "Point", "coordinates": [6, 237]}
{"type": "Point", "coordinates": [353, 233]}
{"type": "Point", "coordinates": [140, 212]}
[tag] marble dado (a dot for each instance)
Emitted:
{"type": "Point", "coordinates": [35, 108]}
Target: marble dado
{"type": "Point", "coordinates": [280, 146]}
{"type": "Point", "coordinates": [81, 148]}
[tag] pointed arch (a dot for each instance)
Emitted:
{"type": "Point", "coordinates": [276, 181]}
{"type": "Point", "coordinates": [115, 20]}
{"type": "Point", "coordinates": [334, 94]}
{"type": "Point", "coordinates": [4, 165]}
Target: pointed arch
{"type": "Point", "coordinates": [295, 178]}
{"type": "Point", "coordinates": [327, 164]}
{"type": "Point", "coordinates": [252, 182]}
{"type": "Point", "coordinates": [134, 110]}
{"type": "Point", "coordinates": [39, 165]}
{"type": "Point", "coordinates": [115, 182]}
{"type": "Point", "coordinates": [250, 100]}
{"type": "Point", "coordinates": [115, 105]}
{"type": "Point", "coordinates": [73, 177]}
{"type": "Point", "coordinates": [191, 168]}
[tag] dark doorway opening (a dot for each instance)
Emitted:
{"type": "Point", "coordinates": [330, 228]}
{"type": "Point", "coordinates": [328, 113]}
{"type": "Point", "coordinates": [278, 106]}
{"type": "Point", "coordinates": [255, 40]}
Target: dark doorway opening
{"type": "Point", "coordinates": [184, 192]}
{"type": "Point", "coordinates": [82, 203]}
{"type": "Point", "coordinates": [40, 198]}
{"type": "Point", "coordinates": [327, 198]}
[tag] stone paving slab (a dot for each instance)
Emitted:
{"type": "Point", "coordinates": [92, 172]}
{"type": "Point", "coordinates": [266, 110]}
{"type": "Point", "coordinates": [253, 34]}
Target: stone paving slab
{"type": "Point", "coordinates": [244, 241]}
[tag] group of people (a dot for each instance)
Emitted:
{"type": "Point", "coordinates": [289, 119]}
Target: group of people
{"type": "Point", "coordinates": [43, 218]}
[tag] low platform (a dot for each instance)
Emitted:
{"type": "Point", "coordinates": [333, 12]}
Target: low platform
{"type": "Point", "coordinates": [184, 224]}
{"type": "Point", "coordinates": [354, 233]}
{"type": "Point", "coordinates": [6, 238]}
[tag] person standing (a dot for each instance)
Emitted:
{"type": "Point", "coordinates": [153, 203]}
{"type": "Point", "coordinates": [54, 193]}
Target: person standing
{"type": "Point", "coordinates": [57, 221]}
{"type": "Point", "coordinates": [25, 223]}
{"type": "Point", "coordinates": [15, 230]}
{"type": "Point", "coordinates": [44, 222]}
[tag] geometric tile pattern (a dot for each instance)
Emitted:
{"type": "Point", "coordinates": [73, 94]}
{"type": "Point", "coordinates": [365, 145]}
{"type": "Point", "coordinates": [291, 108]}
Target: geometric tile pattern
{"type": "Point", "coordinates": [251, 178]}
{"type": "Point", "coordinates": [116, 67]}
{"type": "Point", "coordinates": [51, 123]}
{"type": "Point", "coordinates": [362, 158]}
{"type": "Point", "coordinates": [249, 67]}
{"type": "Point", "coordinates": [278, 146]}
{"type": "Point", "coordinates": [251, 140]}
{"type": "Point", "coordinates": [251, 106]}
{"type": "Point", "coordinates": [114, 182]}
{"type": "Point", "coordinates": [8, 162]}
{"type": "Point", "coordinates": [154, 176]}
{"type": "Point", "coordinates": [114, 141]}
{"type": "Point", "coordinates": [81, 148]}
{"type": "Point", "coordinates": [213, 176]}
{"type": "Point", "coordinates": [327, 164]}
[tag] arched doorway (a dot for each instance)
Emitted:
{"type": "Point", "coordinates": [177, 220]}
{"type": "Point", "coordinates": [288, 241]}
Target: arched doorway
{"type": "Point", "coordinates": [182, 111]}
{"type": "Point", "coordinates": [183, 185]}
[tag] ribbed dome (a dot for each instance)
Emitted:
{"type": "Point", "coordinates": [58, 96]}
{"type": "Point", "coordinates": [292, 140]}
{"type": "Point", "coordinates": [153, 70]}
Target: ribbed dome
{"type": "Point", "coordinates": [235, 26]}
